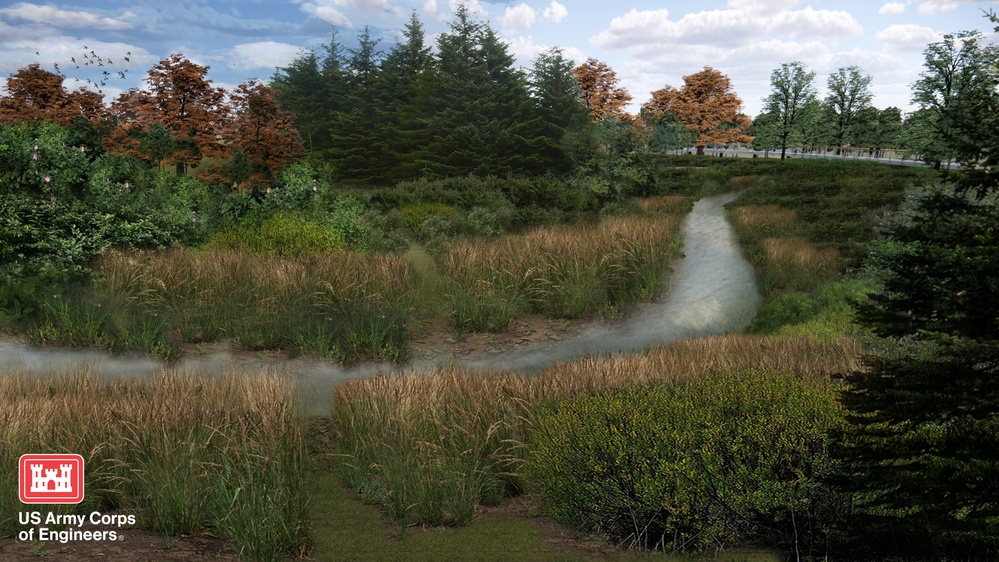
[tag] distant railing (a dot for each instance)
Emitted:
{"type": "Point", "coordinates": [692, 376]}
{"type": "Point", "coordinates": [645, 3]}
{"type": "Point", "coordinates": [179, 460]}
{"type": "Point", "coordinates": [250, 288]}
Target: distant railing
{"type": "Point", "coordinates": [887, 155]}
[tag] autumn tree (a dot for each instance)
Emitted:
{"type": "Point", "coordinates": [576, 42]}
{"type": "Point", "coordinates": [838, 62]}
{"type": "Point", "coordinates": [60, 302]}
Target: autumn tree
{"type": "Point", "coordinates": [707, 106]}
{"type": "Point", "coordinates": [184, 103]}
{"type": "Point", "coordinates": [849, 94]}
{"type": "Point", "coordinates": [600, 90]}
{"type": "Point", "coordinates": [792, 90]}
{"type": "Point", "coordinates": [34, 94]}
{"type": "Point", "coordinates": [261, 133]}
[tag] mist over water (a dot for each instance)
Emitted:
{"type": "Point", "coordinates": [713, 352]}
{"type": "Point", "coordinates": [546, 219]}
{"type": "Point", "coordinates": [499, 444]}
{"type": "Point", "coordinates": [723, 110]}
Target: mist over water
{"type": "Point", "coordinates": [712, 292]}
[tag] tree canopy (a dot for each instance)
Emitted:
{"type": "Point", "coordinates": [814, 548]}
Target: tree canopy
{"type": "Point", "coordinates": [707, 105]}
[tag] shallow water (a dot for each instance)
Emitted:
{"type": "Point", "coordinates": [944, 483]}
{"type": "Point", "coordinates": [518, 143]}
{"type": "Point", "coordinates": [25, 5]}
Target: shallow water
{"type": "Point", "coordinates": [712, 292]}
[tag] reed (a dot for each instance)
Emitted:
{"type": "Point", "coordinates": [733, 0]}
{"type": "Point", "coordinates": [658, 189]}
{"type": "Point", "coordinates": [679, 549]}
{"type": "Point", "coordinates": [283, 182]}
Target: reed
{"type": "Point", "coordinates": [344, 306]}
{"type": "Point", "coordinates": [770, 219]}
{"type": "Point", "coordinates": [561, 271]}
{"type": "Point", "coordinates": [430, 446]}
{"type": "Point", "coordinates": [183, 453]}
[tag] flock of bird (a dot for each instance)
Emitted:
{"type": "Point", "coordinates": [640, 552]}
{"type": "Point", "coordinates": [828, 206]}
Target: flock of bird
{"type": "Point", "coordinates": [91, 58]}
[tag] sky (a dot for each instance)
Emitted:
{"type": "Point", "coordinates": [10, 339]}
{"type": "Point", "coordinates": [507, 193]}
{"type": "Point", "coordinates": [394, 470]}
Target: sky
{"type": "Point", "coordinates": [648, 44]}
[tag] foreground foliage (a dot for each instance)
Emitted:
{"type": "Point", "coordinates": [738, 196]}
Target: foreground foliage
{"type": "Point", "coordinates": [704, 462]}
{"type": "Point", "coordinates": [430, 446]}
{"type": "Point", "coordinates": [921, 451]}
{"type": "Point", "coordinates": [184, 454]}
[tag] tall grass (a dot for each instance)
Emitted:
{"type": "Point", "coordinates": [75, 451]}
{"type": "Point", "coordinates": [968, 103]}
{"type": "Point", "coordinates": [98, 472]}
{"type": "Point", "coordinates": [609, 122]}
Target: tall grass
{"type": "Point", "coordinates": [183, 453]}
{"type": "Point", "coordinates": [561, 271]}
{"type": "Point", "coordinates": [430, 446]}
{"type": "Point", "coordinates": [343, 306]}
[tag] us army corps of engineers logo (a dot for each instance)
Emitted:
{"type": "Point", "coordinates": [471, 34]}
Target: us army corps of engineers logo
{"type": "Point", "coordinates": [58, 479]}
{"type": "Point", "coordinates": [50, 478]}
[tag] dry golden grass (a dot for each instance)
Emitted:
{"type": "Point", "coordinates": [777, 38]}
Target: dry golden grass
{"type": "Point", "coordinates": [798, 253]}
{"type": "Point", "coordinates": [766, 218]}
{"type": "Point", "coordinates": [431, 445]}
{"type": "Point", "coordinates": [182, 452]}
{"type": "Point", "coordinates": [206, 277]}
{"type": "Point", "coordinates": [559, 270]}
{"type": "Point", "coordinates": [666, 204]}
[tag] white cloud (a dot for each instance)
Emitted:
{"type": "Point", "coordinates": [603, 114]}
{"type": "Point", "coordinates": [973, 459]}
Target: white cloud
{"type": "Point", "coordinates": [525, 50]}
{"type": "Point", "coordinates": [517, 17]}
{"type": "Point", "coordinates": [931, 7]}
{"type": "Point", "coordinates": [634, 28]}
{"type": "Point", "coordinates": [730, 27]}
{"type": "Point", "coordinates": [263, 54]}
{"type": "Point", "coordinates": [366, 5]}
{"type": "Point", "coordinates": [325, 10]}
{"type": "Point", "coordinates": [907, 37]}
{"type": "Point", "coordinates": [430, 7]}
{"type": "Point", "coordinates": [556, 12]}
{"type": "Point", "coordinates": [75, 19]}
{"type": "Point", "coordinates": [892, 8]}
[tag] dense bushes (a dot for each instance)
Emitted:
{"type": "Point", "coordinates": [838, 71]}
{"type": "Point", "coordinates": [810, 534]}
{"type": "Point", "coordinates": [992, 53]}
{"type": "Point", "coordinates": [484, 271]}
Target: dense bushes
{"type": "Point", "coordinates": [706, 462]}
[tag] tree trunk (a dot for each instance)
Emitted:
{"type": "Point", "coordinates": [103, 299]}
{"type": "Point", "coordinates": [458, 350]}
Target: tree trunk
{"type": "Point", "coordinates": [700, 150]}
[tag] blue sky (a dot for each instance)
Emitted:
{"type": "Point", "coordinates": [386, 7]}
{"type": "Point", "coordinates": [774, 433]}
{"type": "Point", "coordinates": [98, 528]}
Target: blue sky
{"type": "Point", "coordinates": [648, 44]}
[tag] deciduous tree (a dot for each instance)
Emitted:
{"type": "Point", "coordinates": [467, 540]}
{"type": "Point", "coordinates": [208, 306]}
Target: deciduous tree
{"type": "Point", "coordinates": [37, 94]}
{"type": "Point", "coordinates": [792, 89]}
{"type": "Point", "coordinates": [261, 132]}
{"type": "Point", "coordinates": [707, 105]}
{"type": "Point", "coordinates": [600, 90]}
{"type": "Point", "coordinates": [958, 89]}
{"type": "Point", "coordinates": [181, 99]}
{"type": "Point", "coordinates": [849, 93]}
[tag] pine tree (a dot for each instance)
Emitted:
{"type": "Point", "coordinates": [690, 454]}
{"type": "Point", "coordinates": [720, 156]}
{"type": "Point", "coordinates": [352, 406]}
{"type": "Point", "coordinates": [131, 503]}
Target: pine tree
{"type": "Point", "coordinates": [480, 99]}
{"type": "Point", "coordinates": [405, 99]}
{"type": "Point", "coordinates": [565, 128]}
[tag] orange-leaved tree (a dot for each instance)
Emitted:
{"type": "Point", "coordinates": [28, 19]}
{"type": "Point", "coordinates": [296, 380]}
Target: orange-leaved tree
{"type": "Point", "coordinates": [707, 106]}
{"type": "Point", "coordinates": [261, 134]}
{"type": "Point", "coordinates": [34, 94]}
{"type": "Point", "coordinates": [601, 93]}
{"type": "Point", "coordinates": [178, 118]}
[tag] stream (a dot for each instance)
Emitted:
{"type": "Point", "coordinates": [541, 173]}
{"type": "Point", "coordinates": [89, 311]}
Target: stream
{"type": "Point", "coordinates": [712, 291]}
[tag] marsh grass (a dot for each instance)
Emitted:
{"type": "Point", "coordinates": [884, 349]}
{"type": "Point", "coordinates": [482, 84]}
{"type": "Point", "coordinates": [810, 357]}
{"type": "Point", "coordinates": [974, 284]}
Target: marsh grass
{"type": "Point", "coordinates": [184, 453]}
{"type": "Point", "coordinates": [430, 446]}
{"type": "Point", "coordinates": [343, 307]}
{"type": "Point", "coordinates": [562, 271]}
{"type": "Point", "coordinates": [769, 219]}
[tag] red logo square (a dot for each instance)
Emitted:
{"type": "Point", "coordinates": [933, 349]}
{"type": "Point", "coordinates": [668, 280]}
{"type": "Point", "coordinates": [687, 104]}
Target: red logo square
{"type": "Point", "coordinates": [50, 478]}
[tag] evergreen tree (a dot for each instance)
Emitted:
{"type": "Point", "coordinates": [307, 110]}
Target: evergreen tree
{"type": "Point", "coordinates": [920, 459]}
{"type": "Point", "coordinates": [405, 99]}
{"type": "Point", "coordinates": [356, 128]}
{"type": "Point", "coordinates": [297, 88]}
{"type": "Point", "coordinates": [565, 128]}
{"type": "Point", "coordinates": [480, 100]}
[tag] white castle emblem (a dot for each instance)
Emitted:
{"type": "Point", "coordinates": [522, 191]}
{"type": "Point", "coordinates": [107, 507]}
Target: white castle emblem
{"type": "Point", "coordinates": [40, 482]}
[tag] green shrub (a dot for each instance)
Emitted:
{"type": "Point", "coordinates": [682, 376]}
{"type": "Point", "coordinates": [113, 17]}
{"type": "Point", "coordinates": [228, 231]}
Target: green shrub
{"type": "Point", "coordinates": [283, 235]}
{"type": "Point", "coordinates": [708, 462]}
{"type": "Point", "coordinates": [415, 215]}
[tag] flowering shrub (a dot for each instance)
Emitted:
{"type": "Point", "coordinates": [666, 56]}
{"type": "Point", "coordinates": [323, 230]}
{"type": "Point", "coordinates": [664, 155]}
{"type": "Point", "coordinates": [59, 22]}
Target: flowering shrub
{"type": "Point", "coordinates": [297, 189]}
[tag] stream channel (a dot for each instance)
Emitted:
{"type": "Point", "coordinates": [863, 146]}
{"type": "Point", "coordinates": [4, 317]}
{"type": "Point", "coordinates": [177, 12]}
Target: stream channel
{"type": "Point", "coordinates": [712, 291]}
